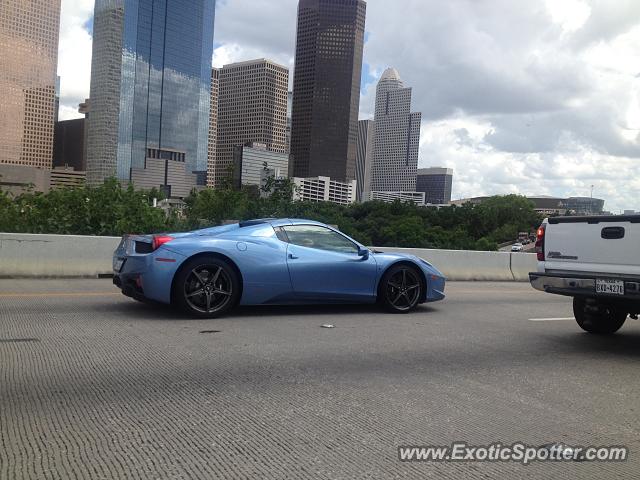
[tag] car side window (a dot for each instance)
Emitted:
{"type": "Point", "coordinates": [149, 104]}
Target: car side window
{"type": "Point", "coordinates": [321, 238]}
{"type": "Point", "coordinates": [281, 234]}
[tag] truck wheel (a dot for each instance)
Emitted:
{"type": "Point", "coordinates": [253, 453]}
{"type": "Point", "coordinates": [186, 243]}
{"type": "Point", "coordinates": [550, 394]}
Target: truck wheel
{"type": "Point", "coordinates": [599, 318]}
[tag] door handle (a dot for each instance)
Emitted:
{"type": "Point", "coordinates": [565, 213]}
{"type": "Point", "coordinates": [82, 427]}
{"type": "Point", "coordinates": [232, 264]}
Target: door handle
{"type": "Point", "coordinates": [292, 256]}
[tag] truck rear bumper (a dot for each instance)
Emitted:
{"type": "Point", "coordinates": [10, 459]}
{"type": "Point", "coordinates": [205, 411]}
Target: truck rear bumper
{"type": "Point", "coordinates": [583, 284]}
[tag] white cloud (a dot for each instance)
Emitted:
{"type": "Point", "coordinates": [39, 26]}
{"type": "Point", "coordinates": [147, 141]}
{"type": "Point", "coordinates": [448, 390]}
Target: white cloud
{"type": "Point", "coordinates": [74, 56]}
{"type": "Point", "coordinates": [256, 29]}
{"type": "Point", "coordinates": [570, 14]}
{"type": "Point", "coordinates": [532, 98]}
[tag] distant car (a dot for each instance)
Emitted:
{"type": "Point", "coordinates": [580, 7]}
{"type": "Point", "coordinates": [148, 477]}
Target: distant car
{"type": "Point", "coordinates": [516, 247]}
{"type": "Point", "coordinates": [284, 261]}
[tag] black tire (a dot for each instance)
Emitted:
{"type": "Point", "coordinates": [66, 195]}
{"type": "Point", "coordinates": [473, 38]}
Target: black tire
{"type": "Point", "coordinates": [401, 288]}
{"type": "Point", "coordinates": [597, 317]}
{"type": "Point", "coordinates": [206, 287]}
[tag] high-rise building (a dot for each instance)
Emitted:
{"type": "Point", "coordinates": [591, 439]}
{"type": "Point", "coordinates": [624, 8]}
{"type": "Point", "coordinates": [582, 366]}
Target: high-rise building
{"type": "Point", "coordinates": [213, 127]}
{"type": "Point", "coordinates": [150, 84]}
{"type": "Point", "coordinates": [436, 183]}
{"type": "Point", "coordinates": [364, 156]}
{"type": "Point", "coordinates": [28, 62]}
{"type": "Point", "coordinates": [252, 107]}
{"type": "Point", "coordinates": [326, 88]}
{"type": "Point", "coordinates": [397, 136]}
{"type": "Point", "coordinates": [68, 145]}
{"type": "Point", "coordinates": [253, 164]}
{"type": "Point", "coordinates": [289, 111]}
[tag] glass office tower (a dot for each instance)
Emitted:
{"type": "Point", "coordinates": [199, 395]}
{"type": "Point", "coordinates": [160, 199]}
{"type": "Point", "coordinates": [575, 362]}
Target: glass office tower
{"type": "Point", "coordinates": [150, 84]}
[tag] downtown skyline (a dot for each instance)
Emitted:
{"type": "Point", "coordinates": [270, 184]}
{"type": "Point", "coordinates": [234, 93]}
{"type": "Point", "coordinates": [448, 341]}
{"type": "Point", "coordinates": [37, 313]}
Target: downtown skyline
{"type": "Point", "coordinates": [546, 101]}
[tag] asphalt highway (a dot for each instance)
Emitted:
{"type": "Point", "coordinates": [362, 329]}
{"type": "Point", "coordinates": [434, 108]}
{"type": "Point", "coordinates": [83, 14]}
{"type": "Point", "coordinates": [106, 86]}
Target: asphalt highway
{"type": "Point", "coordinates": [96, 385]}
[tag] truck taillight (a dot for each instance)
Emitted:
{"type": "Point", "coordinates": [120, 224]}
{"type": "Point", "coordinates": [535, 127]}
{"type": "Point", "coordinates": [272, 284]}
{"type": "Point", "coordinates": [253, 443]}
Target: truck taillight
{"type": "Point", "coordinates": [159, 240]}
{"type": "Point", "coordinates": [540, 243]}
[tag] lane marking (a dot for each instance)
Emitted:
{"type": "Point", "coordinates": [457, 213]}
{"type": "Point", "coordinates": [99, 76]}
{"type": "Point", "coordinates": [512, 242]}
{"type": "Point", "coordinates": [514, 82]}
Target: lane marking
{"type": "Point", "coordinates": [60, 294]}
{"type": "Point", "coordinates": [550, 319]}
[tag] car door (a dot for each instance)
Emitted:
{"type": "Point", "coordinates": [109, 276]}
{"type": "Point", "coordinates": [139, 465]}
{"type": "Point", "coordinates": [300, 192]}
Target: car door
{"type": "Point", "coordinates": [324, 264]}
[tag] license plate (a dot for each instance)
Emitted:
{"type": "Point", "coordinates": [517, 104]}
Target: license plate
{"type": "Point", "coordinates": [610, 287]}
{"type": "Point", "coordinates": [117, 264]}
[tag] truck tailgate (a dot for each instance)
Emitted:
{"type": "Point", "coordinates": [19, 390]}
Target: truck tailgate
{"type": "Point", "coordinates": [608, 244]}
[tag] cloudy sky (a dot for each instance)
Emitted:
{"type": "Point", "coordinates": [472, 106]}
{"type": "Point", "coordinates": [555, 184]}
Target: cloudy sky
{"type": "Point", "coordinates": [531, 97]}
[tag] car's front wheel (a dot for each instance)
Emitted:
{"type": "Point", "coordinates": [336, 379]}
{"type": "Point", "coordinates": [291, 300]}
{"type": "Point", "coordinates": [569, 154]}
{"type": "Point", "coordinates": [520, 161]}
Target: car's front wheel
{"type": "Point", "coordinates": [598, 317]}
{"type": "Point", "coordinates": [401, 288]}
{"type": "Point", "coordinates": [206, 287]}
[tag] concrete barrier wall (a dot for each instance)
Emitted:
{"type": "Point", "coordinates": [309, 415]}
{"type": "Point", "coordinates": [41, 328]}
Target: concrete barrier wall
{"type": "Point", "coordinates": [472, 265]}
{"type": "Point", "coordinates": [522, 264]}
{"type": "Point", "coordinates": [26, 255]}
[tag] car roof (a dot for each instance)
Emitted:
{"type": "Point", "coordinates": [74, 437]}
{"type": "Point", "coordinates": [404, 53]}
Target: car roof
{"type": "Point", "coordinates": [280, 222]}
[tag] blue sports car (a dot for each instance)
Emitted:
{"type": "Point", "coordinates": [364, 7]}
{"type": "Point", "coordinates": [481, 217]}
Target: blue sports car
{"type": "Point", "coordinates": [269, 261]}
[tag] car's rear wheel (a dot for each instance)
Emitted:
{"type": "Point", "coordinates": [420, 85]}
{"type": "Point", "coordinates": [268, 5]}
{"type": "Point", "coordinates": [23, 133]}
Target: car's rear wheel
{"type": "Point", "coordinates": [207, 287]}
{"type": "Point", "coordinates": [401, 288]}
{"type": "Point", "coordinates": [597, 317]}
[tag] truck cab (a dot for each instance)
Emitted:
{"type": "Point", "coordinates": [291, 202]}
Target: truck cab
{"type": "Point", "coordinates": [595, 260]}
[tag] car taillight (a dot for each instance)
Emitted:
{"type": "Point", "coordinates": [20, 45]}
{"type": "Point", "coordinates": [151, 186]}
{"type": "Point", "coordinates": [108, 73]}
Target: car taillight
{"type": "Point", "coordinates": [540, 243]}
{"type": "Point", "coordinates": [159, 240]}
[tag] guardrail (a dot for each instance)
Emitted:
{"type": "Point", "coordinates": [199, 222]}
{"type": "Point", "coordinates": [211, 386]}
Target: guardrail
{"type": "Point", "coordinates": [28, 255]}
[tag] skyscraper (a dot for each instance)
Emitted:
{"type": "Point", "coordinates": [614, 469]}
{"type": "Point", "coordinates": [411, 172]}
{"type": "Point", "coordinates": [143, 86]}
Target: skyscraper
{"type": "Point", "coordinates": [68, 144]}
{"type": "Point", "coordinates": [28, 62]}
{"type": "Point", "coordinates": [289, 110]}
{"type": "Point", "coordinates": [252, 107]}
{"type": "Point", "coordinates": [363, 159]}
{"type": "Point", "coordinates": [436, 183]}
{"type": "Point", "coordinates": [397, 137]}
{"type": "Point", "coordinates": [326, 88]}
{"type": "Point", "coordinates": [150, 84]}
{"type": "Point", "coordinates": [213, 127]}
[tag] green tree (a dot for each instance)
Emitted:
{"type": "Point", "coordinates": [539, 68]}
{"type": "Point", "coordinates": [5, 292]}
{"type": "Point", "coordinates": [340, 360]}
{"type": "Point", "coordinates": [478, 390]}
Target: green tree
{"type": "Point", "coordinates": [112, 209]}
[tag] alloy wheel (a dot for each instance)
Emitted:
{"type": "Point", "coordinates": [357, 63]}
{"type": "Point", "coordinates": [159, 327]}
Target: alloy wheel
{"type": "Point", "coordinates": [403, 289]}
{"type": "Point", "coordinates": [208, 288]}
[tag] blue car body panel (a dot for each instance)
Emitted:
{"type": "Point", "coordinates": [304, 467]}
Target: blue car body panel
{"type": "Point", "coordinates": [272, 271]}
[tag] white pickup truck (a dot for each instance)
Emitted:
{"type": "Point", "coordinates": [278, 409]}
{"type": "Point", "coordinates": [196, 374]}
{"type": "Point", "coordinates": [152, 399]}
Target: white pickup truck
{"type": "Point", "coordinates": [595, 260]}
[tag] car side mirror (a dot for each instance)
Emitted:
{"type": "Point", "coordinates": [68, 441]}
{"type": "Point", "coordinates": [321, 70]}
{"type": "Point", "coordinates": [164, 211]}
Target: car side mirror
{"type": "Point", "coordinates": [363, 252]}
